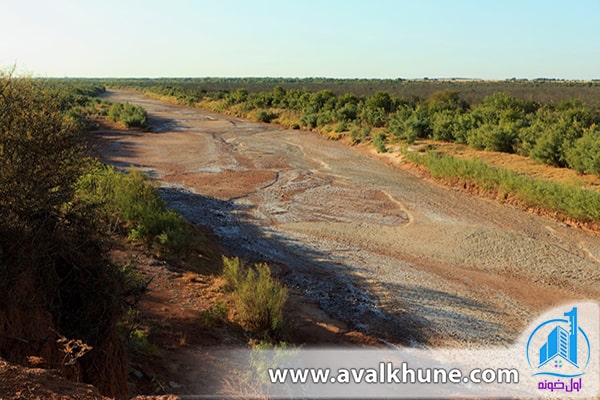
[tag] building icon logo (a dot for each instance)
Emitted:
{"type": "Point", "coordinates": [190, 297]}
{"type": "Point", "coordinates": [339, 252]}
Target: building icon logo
{"type": "Point", "coordinates": [559, 347]}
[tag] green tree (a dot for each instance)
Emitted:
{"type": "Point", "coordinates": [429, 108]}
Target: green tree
{"type": "Point", "coordinates": [40, 154]}
{"type": "Point", "coordinates": [584, 156]}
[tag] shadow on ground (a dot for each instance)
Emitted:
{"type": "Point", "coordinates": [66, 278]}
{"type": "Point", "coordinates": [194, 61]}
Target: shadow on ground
{"type": "Point", "coordinates": [334, 286]}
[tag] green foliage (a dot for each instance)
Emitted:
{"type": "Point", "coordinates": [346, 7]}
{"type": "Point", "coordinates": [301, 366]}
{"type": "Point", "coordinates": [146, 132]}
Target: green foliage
{"type": "Point", "coordinates": [138, 339]}
{"type": "Point", "coordinates": [265, 116]}
{"type": "Point", "coordinates": [259, 298]}
{"type": "Point", "coordinates": [341, 126]}
{"type": "Point", "coordinates": [446, 126]}
{"type": "Point", "coordinates": [41, 154]}
{"type": "Point", "coordinates": [570, 200]}
{"type": "Point", "coordinates": [130, 197]}
{"type": "Point", "coordinates": [309, 120]}
{"type": "Point", "coordinates": [400, 127]}
{"type": "Point", "coordinates": [446, 100]}
{"type": "Point", "coordinates": [379, 141]}
{"type": "Point", "coordinates": [492, 137]}
{"type": "Point", "coordinates": [548, 148]}
{"type": "Point", "coordinates": [584, 156]}
{"type": "Point", "coordinates": [217, 314]}
{"type": "Point", "coordinates": [50, 249]}
{"type": "Point", "coordinates": [359, 135]}
{"type": "Point", "coordinates": [373, 116]}
{"type": "Point", "coordinates": [232, 271]}
{"type": "Point", "coordinates": [380, 100]}
{"type": "Point", "coordinates": [129, 115]}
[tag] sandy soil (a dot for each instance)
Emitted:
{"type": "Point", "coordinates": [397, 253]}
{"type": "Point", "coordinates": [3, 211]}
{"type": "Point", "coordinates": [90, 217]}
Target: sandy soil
{"type": "Point", "coordinates": [377, 246]}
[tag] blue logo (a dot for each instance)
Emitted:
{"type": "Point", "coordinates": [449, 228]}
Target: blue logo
{"type": "Point", "coordinates": [559, 347]}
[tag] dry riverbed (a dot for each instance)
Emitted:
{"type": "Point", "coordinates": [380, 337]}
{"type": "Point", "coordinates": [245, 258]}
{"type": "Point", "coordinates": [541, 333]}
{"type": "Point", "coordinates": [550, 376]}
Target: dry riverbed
{"type": "Point", "coordinates": [388, 252]}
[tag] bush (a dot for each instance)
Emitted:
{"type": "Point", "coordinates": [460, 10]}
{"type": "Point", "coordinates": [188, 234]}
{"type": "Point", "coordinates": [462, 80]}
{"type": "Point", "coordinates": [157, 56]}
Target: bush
{"type": "Point", "coordinates": [548, 148]}
{"type": "Point", "coordinates": [127, 114]}
{"type": "Point", "coordinates": [54, 276]}
{"type": "Point", "coordinates": [309, 120]}
{"type": "Point", "coordinates": [341, 127]}
{"type": "Point", "coordinates": [259, 297]}
{"type": "Point", "coordinates": [492, 138]}
{"type": "Point", "coordinates": [41, 155]}
{"type": "Point", "coordinates": [379, 141]}
{"type": "Point", "coordinates": [373, 116]}
{"type": "Point", "coordinates": [130, 197]}
{"type": "Point", "coordinates": [359, 135]}
{"type": "Point", "coordinates": [584, 156]}
{"type": "Point", "coordinates": [445, 125]}
{"type": "Point", "coordinates": [265, 116]}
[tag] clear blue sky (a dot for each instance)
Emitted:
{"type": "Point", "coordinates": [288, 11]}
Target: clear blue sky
{"type": "Point", "coordinates": [302, 38]}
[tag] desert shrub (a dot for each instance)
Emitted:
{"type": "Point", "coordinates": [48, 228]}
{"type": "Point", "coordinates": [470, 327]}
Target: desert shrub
{"type": "Point", "coordinates": [131, 198]}
{"type": "Point", "coordinates": [584, 155]}
{"type": "Point", "coordinates": [217, 314]}
{"type": "Point", "coordinates": [259, 297]}
{"type": "Point", "coordinates": [373, 116]}
{"type": "Point", "coordinates": [341, 126]}
{"type": "Point", "coordinates": [348, 112]}
{"type": "Point", "coordinates": [445, 100]}
{"type": "Point", "coordinates": [445, 125]}
{"type": "Point", "coordinates": [548, 147]}
{"type": "Point", "coordinates": [359, 135]}
{"type": "Point", "coordinates": [54, 276]}
{"type": "Point", "coordinates": [379, 141]}
{"type": "Point", "coordinates": [232, 271]}
{"type": "Point", "coordinates": [399, 126]}
{"type": "Point", "coordinates": [492, 137]}
{"type": "Point", "coordinates": [265, 116]}
{"type": "Point", "coordinates": [309, 120]}
{"type": "Point", "coordinates": [325, 117]}
{"type": "Point", "coordinates": [127, 114]}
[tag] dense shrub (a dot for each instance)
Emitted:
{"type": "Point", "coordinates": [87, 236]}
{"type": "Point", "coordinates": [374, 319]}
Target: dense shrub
{"type": "Point", "coordinates": [129, 115]}
{"type": "Point", "coordinates": [492, 137]}
{"type": "Point", "coordinates": [129, 197]}
{"type": "Point", "coordinates": [584, 156]}
{"type": "Point", "coordinates": [265, 116]}
{"type": "Point", "coordinates": [40, 154]}
{"type": "Point", "coordinates": [359, 135]}
{"type": "Point", "coordinates": [54, 277]}
{"type": "Point", "coordinates": [259, 297]}
{"type": "Point", "coordinates": [445, 125]}
{"type": "Point", "coordinates": [379, 141]}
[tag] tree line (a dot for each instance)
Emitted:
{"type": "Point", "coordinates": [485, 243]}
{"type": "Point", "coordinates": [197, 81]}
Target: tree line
{"type": "Point", "coordinates": [563, 133]}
